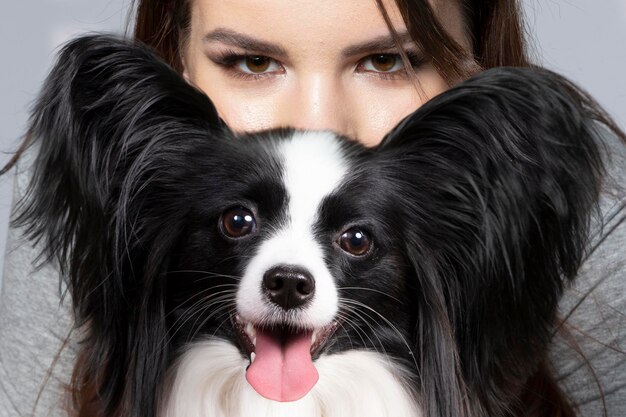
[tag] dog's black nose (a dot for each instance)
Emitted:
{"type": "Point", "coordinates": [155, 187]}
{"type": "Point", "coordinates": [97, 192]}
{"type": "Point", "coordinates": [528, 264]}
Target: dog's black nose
{"type": "Point", "coordinates": [289, 286]}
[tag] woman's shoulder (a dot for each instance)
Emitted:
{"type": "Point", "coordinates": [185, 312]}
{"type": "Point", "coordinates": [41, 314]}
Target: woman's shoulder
{"type": "Point", "coordinates": [591, 360]}
{"type": "Point", "coordinates": [36, 354]}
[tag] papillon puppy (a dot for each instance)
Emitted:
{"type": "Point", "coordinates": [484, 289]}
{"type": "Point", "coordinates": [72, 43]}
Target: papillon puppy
{"type": "Point", "coordinates": [299, 273]}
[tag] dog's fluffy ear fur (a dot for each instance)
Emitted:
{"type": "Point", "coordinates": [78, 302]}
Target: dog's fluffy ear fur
{"type": "Point", "coordinates": [109, 115]}
{"type": "Point", "coordinates": [508, 169]}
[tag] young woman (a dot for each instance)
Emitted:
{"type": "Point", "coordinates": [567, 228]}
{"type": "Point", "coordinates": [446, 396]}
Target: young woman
{"type": "Point", "coordinates": [356, 67]}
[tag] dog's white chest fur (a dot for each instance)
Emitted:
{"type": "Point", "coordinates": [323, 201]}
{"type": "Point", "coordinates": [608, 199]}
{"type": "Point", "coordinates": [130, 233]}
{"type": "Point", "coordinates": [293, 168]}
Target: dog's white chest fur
{"type": "Point", "coordinates": [209, 381]}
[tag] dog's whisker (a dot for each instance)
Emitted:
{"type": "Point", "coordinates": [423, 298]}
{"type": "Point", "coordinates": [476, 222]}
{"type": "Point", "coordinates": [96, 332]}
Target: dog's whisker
{"type": "Point", "coordinates": [227, 314]}
{"type": "Point", "coordinates": [217, 305]}
{"type": "Point", "coordinates": [190, 271]}
{"type": "Point", "coordinates": [349, 310]}
{"type": "Point", "coordinates": [390, 324]}
{"type": "Point", "coordinates": [198, 294]}
{"type": "Point", "coordinates": [224, 306]}
{"type": "Point", "coordinates": [345, 319]}
{"type": "Point", "coordinates": [204, 303]}
{"type": "Point", "coordinates": [238, 256]}
{"type": "Point", "coordinates": [207, 274]}
{"type": "Point", "coordinates": [218, 300]}
{"type": "Point", "coordinates": [359, 331]}
{"type": "Point", "coordinates": [193, 310]}
{"type": "Point", "coordinates": [371, 290]}
{"type": "Point", "coordinates": [363, 316]}
{"type": "Point", "coordinates": [216, 275]}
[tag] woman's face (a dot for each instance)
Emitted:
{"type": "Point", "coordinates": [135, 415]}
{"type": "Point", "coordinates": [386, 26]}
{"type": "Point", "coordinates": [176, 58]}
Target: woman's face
{"type": "Point", "coordinates": [323, 64]}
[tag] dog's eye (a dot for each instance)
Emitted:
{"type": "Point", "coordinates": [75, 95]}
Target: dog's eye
{"type": "Point", "coordinates": [355, 241]}
{"type": "Point", "coordinates": [237, 222]}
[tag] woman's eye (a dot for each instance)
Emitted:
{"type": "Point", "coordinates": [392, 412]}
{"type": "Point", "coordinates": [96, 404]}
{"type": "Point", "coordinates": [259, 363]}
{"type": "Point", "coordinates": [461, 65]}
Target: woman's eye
{"type": "Point", "coordinates": [383, 63]}
{"type": "Point", "coordinates": [237, 222]}
{"type": "Point", "coordinates": [390, 65]}
{"type": "Point", "coordinates": [355, 242]}
{"type": "Point", "coordinates": [257, 64]}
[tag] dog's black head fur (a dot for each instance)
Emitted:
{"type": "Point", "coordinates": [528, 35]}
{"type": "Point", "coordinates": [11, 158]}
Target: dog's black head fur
{"type": "Point", "coordinates": [478, 206]}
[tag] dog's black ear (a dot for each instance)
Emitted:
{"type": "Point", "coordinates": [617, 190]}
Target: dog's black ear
{"type": "Point", "coordinates": [501, 175]}
{"type": "Point", "coordinates": [105, 106]}
{"type": "Point", "coordinates": [110, 116]}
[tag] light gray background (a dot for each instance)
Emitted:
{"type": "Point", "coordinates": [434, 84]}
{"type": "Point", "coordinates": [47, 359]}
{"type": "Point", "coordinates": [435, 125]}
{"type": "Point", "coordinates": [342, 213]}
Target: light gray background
{"type": "Point", "coordinates": [583, 39]}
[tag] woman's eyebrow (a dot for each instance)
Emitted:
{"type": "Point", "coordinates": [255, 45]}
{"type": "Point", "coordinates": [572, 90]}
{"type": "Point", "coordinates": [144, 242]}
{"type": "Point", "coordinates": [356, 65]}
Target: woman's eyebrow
{"type": "Point", "coordinates": [249, 43]}
{"type": "Point", "coordinates": [378, 44]}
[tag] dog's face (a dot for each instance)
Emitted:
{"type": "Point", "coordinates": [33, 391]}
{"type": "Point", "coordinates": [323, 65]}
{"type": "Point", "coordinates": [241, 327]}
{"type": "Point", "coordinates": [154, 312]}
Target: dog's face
{"type": "Point", "coordinates": [443, 250]}
{"type": "Point", "coordinates": [299, 245]}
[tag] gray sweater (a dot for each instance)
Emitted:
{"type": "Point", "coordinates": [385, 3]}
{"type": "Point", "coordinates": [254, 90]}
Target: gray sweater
{"type": "Point", "coordinates": [37, 346]}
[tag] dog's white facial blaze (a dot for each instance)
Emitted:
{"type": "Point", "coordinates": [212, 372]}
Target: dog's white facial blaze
{"type": "Point", "coordinates": [208, 381]}
{"type": "Point", "coordinates": [314, 166]}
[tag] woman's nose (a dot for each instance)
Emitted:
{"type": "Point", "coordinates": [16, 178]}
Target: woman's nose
{"type": "Point", "coordinates": [317, 102]}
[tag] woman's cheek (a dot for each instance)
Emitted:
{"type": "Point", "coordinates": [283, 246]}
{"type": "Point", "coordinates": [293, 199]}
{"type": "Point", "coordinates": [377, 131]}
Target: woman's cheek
{"type": "Point", "coordinates": [377, 112]}
{"type": "Point", "coordinates": [379, 105]}
{"type": "Point", "coordinates": [247, 114]}
{"type": "Point", "coordinates": [243, 109]}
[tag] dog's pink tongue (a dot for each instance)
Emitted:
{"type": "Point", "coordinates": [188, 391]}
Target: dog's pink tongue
{"type": "Point", "coordinates": [282, 369]}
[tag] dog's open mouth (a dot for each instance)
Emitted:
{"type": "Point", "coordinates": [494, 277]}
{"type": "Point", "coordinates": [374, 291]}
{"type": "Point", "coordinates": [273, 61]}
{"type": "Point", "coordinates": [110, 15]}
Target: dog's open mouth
{"type": "Point", "coordinates": [281, 358]}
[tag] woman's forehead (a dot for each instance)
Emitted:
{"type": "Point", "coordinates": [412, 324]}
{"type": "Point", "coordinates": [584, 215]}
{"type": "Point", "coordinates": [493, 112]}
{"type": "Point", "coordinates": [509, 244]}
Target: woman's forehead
{"type": "Point", "coordinates": [336, 27]}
